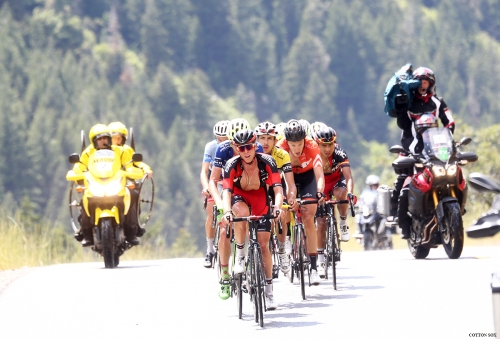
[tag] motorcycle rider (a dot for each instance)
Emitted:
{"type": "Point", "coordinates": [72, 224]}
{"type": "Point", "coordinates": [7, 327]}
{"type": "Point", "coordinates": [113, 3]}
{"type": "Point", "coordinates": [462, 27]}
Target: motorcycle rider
{"type": "Point", "coordinates": [119, 135]}
{"type": "Point", "coordinates": [100, 138]}
{"type": "Point", "coordinates": [424, 101]}
{"type": "Point", "coordinates": [372, 182]}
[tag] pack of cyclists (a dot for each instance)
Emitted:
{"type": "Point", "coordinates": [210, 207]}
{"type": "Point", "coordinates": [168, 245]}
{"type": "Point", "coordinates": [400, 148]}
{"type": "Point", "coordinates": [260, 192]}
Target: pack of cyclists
{"type": "Point", "coordinates": [252, 171]}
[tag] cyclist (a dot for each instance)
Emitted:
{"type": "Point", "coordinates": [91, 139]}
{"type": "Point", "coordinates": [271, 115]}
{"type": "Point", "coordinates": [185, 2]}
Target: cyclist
{"type": "Point", "coordinates": [220, 132]}
{"type": "Point", "coordinates": [266, 135]}
{"type": "Point", "coordinates": [338, 181]}
{"type": "Point", "coordinates": [307, 170]}
{"type": "Point", "coordinates": [245, 180]}
{"type": "Point", "coordinates": [225, 151]}
{"type": "Point", "coordinates": [368, 196]}
{"type": "Point", "coordinates": [100, 138]}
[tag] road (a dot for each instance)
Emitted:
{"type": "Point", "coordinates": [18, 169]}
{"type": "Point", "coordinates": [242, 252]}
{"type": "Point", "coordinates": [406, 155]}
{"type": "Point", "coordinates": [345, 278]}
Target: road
{"type": "Point", "coordinates": [384, 294]}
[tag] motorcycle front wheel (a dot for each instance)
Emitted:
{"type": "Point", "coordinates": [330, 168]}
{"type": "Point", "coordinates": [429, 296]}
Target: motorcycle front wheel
{"type": "Point", "coordinates": [418, 252]}
{"type": "Point", "coordinates": [452, 235]}
{"type": "Point", "coordinates": [107, 243]}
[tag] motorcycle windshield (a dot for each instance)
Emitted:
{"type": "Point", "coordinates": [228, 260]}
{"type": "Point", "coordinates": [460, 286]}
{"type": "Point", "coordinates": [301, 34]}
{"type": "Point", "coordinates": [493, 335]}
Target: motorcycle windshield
{"type": "Point", "coordinates": [101, 163]}
{"type": "Point", "coordinates": [438, 144]}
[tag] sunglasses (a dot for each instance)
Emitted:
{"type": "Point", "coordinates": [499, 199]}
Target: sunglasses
{"type": "Point", "coordinates": [326, 141]}
{"type": "Point", "coordinates": [247, 147]}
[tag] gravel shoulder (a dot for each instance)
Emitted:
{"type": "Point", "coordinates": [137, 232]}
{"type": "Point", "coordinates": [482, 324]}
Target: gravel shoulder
{"type": "Point", "coordinates": [9, 276]}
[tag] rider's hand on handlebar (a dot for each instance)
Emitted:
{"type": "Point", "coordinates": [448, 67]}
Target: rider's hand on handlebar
{"type": "Point", "coordinates": [352, 198]}
{"type": "Point", "coordinates": [227, 218]}
{"type": "Point", "coordinates": [205, 192]}
{"type": "Point", "coordinates": [321, 197]}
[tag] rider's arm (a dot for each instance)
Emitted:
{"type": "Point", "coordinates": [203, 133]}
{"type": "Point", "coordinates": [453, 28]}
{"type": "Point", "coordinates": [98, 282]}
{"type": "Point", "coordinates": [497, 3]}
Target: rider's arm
{"type": "Point", "coordinates": [346, 171]}
{"type": "Point", "coordinates": [291, 189]}
{"type": "Point", "coordinates": [320, 178]}
{"type": "Point", "coordinates": [84, 160]}
{"type": "Point", "coordinates": [446, 117]}
{"type": "Point", "coordinates": [205, 166]}
{"type": "Point", "coordinates": [212, 185]}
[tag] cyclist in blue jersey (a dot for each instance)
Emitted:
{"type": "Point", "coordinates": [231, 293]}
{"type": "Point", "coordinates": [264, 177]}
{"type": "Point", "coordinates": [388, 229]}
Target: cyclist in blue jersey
{"type": "Point", "coordinates": [220, 132]}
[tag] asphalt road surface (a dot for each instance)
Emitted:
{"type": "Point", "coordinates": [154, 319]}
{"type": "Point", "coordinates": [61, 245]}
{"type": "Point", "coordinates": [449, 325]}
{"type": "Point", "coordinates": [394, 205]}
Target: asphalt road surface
{"type": "Point", "coordinates": [383, 294]}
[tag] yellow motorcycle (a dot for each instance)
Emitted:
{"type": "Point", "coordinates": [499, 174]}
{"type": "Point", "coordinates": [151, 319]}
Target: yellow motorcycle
{"type": "Point", "coordinates": [106, 200]}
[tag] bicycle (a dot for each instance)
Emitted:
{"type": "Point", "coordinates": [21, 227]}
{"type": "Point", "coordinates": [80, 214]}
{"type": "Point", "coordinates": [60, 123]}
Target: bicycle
{"type": "Point", "coordinates": [273, 248]}
{"type": "Point", "coordinates": [254, 271]}
{"type": "Point", "coordinates": [300, 260]}
{"type": "Point", "coordinates": [332, 248]}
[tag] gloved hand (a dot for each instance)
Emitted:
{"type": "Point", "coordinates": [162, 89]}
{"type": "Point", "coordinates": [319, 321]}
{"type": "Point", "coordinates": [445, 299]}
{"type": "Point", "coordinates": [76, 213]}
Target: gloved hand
{"type": "Point", "coordinates": [352, 198]}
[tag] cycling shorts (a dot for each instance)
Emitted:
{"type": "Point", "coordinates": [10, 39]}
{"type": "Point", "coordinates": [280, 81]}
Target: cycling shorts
{"type": "Point", "coordinates": [306, 185]}
{"type": "Point", "coordinates": [258, 202]}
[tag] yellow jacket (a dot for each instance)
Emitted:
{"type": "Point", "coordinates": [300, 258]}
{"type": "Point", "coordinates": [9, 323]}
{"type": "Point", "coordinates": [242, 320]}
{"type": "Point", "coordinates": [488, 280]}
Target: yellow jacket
{"type": "Point", "coordinates": [127, 156]}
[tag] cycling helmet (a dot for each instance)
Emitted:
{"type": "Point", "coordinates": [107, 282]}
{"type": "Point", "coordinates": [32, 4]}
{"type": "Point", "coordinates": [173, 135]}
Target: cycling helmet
{"type": "Point", "coordinates": [220, 128]}
{"type": "Point", "coordinates": [244, 137]}
{"type": "Point", "coordinates": [97, 131]}
{"type": "Point", "coordinates": [266, 128]}
{"type": "Point", "coordinates": [372, 179]}
{"type": "Point", "coordinates": [280, 130]}
{"type": "Point", "coordinates": [294, 131]}
{"type": "Point", "coordinates": [315, 126]}
{"type": "Point", "coordinates": [307, 126]}
{"type": "Point", "coordinates": [235, 125]}
{"type": "Point", "coordinates": [325, 135]}
{"type": "Point", "coordinates": [424, 73]}
{"type": "Point", "coordinates": [118, 128]}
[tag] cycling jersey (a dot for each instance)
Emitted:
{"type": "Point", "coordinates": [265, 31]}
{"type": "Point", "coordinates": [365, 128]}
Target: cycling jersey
{"type": "Point", "coordinates": [282, 159]}
{"type": "Point", "coordinates": [337, 160]}
{"type": "Point", "coordinates": [224, 152]}
{"type": "Point", "coordinates": [209, 154]}
{"type": "Point", "coordinates": [310, 157]}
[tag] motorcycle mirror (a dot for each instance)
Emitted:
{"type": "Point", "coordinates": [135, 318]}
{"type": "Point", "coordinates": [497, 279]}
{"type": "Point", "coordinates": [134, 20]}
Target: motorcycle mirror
{"type": "Point", "coordinates": [137, 157]}
{"type": "Point", "coordinates": [483, 183]}
{"type": "Point", "coordinates": [468, 156]}
{"type": "Point", "coordinates": [74, 158]}
{"type": "Point", "coordinates": [397, 149]}
{"type": "Point", "coordinates": [465, 141]}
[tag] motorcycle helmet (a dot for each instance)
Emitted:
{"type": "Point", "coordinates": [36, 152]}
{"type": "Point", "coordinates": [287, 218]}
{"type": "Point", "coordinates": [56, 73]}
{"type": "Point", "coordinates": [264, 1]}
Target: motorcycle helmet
{"type": "Point", "coordinates": [220, 128]}
{"type": "Point", "coordinates": [425, 121]}
{"type": "Point", "coordinates": [244, 137]}
{"type": "Point", "coordinates": [424, 73]}
{"type": "Point", "coordinates": [97, 131]}
{"type": "Point", "coordinates": [372, 179]}
{"type": "Point", "coordinates": [235, 125]}
{"type": "Point", "coordinates": [266, 128]}
{"type": "Point", "coordinates": [294, 131]}
{"type": "Point", "coordinates": [325, 135]}
{"type": "Point", "coordinates": [116, 128]}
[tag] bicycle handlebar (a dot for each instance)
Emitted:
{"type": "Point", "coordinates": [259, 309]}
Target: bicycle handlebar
{"type": "Point", "coordinates": [255, 217]}
{"type": "Point", "coordinates": [335, 202]}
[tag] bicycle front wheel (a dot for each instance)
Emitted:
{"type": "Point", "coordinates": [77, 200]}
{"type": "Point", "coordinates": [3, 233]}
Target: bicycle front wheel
{"type": "Point", "coordinates": [301, 265]}
{"type": "Point", "coordinates": [259, 281]}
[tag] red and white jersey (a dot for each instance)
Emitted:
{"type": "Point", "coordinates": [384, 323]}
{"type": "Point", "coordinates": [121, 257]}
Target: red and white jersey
{"type": "Point", "coordinates": [309, 159]}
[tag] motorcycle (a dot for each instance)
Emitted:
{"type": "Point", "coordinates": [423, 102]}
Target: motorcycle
{"type": "Point", "coordinates": [374, 231]}
{"type": "Point", "coordinates": [106, 200]}
{"type": "Point", "coordinates": [437, 192]}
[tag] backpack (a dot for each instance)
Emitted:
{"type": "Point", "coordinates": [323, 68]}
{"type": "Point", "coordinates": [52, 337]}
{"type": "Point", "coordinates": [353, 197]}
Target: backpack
{"type": "Point", "coordinates": [399, 91]}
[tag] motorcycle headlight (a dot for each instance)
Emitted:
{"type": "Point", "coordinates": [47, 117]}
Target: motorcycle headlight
{"type": "Point", "coordinates": [452, 170]}
{"type": "Point", "coordinates": [439, 171]}
{"type": "Point", "coordinates": [107, 189]}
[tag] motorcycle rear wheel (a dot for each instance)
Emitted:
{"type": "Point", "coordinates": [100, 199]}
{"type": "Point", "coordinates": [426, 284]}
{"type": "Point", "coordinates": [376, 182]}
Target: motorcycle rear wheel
{"type": "Point", "coordinates": [453, 237]}
{"type": "Point", "coordinates": [107, 243]}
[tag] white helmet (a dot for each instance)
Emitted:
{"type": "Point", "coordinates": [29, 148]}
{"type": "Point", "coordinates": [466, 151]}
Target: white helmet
{"type": "Point", "coordinates": [235, 125]}
{"type": "Point", "coordinates": [372, 179]}
{"type": "Point", "coordinates": [306, 125]}
{"type": "Point", "coordinates": [316, 126]}
{"type": "Point", "coordinates": [220, 128]}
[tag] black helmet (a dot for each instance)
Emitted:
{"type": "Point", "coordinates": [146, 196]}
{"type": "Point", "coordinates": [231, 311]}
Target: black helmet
{"type": "Point", "coordinates": [325, 135]}
{"type": "Point", "coordinates": [294, 131]}
{"type": "Point", "coordinates": [244, 136]}
{"type": "Point", "coordinates": [424, 73]}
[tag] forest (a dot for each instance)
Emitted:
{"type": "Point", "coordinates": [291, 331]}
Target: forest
{"type": "Point", "coordinates": [172, 68]}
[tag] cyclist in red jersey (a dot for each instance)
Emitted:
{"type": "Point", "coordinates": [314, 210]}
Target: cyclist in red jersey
{"type": "Point", "coordinates": [338, 181]}
{"type": "Point", "coordinates": [246, 178]}
{"type": "Point", "coordinates": [307, 168]}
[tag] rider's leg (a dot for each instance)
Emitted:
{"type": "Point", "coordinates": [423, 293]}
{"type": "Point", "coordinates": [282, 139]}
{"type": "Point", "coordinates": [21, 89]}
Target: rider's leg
{"type": "Point", "coordinates": [240, 209]}
{"type": "Point", "coordinates": [341, 194]}
{"type": "Point", "coordinates": [210, 234]}
{"type": "Point", "coordinates": [131, 222]}
{"type": "Point", "coordinates": [404, 218]}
